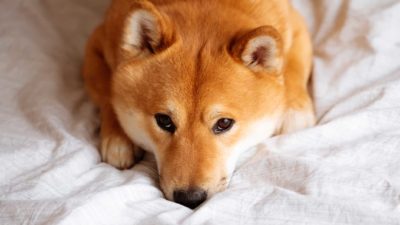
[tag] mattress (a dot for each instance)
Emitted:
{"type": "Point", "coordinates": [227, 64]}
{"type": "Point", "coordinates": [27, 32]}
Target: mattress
{"type": "Point", "coordinates": [345, 170]}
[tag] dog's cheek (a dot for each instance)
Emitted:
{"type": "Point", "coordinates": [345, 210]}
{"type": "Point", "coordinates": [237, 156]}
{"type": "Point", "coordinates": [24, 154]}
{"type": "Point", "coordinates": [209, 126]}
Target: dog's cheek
{"type": "Point", "coordinates": [134, 124]}
{"type": "Point", "coordinates": [250, 135]}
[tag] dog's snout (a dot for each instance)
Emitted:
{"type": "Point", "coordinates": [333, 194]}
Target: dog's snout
{"type": "Point", "coordinates": [190, 198]}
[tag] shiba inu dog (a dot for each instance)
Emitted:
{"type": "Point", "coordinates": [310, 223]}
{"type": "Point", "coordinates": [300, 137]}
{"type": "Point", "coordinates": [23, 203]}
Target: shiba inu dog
{"type": "Point", "coordinates": [196, 83]}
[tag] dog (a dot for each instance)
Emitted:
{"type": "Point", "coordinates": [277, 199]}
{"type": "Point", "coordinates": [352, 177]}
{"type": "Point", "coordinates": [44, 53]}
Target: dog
{"type": "Point", "coordinates": [197, 83]}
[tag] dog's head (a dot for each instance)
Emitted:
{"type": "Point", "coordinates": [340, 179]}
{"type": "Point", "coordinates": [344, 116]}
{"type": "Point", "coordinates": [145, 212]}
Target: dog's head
{"type": "Point", "coordinates": [196, 103]}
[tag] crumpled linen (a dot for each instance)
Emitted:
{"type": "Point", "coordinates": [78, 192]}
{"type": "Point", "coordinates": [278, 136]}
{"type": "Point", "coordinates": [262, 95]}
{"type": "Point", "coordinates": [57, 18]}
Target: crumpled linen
{"type": "Point", "coordinates": [345, 170]}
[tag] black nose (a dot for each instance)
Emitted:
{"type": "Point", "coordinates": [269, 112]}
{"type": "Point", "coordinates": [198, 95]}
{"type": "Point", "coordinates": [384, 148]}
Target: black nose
{"type": "Point", "coordinates": [190, 198]}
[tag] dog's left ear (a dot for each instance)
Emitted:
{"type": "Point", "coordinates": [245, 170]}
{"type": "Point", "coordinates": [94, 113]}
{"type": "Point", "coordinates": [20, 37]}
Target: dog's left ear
{"type": "Point", "coordinates": [260, 50]}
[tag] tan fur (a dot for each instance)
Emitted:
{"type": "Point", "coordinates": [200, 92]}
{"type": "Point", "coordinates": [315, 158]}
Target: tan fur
{"type": "Point", "coordinates": [196, 76]}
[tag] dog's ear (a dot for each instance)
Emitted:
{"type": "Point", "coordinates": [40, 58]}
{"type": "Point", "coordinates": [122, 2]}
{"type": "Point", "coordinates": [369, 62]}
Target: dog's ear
{"type": "Point", "coordinates": [260, 49]}
{"type": "Point", "coordinates": [146, 30]}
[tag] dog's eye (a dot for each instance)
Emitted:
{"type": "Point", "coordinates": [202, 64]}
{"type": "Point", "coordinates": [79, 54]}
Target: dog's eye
{"type": "Point", "coordinates": [165, 122]}
{"type": "Point", "coordinates": [223, 125]}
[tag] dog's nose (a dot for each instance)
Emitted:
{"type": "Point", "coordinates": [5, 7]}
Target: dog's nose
{"type": "Point", "coordinates": [190, 198]}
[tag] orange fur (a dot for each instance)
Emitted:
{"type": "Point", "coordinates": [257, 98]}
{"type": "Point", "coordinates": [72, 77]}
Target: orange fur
{"type": "Point", "coordinates": [192, 69]}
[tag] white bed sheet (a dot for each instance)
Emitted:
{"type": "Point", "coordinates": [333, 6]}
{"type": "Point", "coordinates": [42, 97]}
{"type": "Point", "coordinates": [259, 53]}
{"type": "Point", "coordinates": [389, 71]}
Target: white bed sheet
{"type": "Point", "coordinates": [346, 170]}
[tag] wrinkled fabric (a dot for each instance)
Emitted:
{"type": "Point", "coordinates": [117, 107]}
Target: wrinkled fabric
{"type": "Point", "coordinates": [345, 170]}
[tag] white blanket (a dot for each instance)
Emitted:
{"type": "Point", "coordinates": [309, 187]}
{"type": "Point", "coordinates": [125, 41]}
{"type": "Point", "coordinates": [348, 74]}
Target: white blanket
{"type": "Point", "coordinates": [346, 170]}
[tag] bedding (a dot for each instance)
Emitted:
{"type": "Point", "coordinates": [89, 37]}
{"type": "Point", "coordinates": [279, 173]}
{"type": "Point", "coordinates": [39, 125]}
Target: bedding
{"type": "Point", "coordinates": [345, 170]}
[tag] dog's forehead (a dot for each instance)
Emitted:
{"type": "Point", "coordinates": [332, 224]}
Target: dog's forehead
{"type": "Point", "coordinates": [198, 82]}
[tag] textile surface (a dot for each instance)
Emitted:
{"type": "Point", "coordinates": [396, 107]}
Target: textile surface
{"type": "Point", "coordinates": [345, 170]}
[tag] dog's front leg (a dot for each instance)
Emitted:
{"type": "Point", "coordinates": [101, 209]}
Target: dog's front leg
{"type": "Point", "coordinates": [299, 113]}
{"type": "Point", "coordinates": [116, 148]}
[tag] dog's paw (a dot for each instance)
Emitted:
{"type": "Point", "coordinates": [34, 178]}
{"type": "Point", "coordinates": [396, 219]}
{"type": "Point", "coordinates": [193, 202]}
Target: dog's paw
{"type": "Point", "coordinates": [295, 120]}
{"type": "Point", "coordinates": [299, 115]}
{"type": "Point", "coordinates": [119, 151]}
